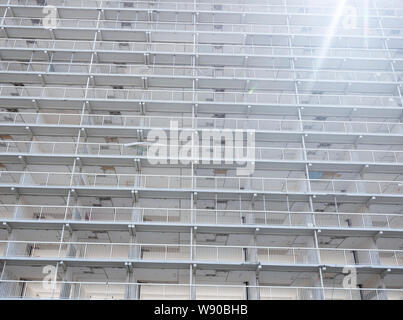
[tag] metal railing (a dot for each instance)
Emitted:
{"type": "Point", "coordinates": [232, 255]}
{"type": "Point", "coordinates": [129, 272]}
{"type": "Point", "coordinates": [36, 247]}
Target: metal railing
{"type": "Point", "coordinates": [183, 182]}
{"type": "Point", "coordinates": [40, 289]}
{"type": "Point", "coordinates": [106, 251]}
{"type": "Point", "coordinates": [199, 71]}
{"type": "Point", "coordinates": [344, 220]}
{"type": "Point", "coordinates": [186, 48]}
{"type": "Point", "coordinates": [73, 149]}
{"type": "Point", "coordinates": [72, 93]}
{"type": "Point", "coordinates": [312, 9]}
{"type": "Point", "coordinates": [158, 26]}
{"type": "Point", "coordinates": [144, 121]}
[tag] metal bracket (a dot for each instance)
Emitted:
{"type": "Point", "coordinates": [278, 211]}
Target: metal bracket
{"type": "Point", "coordinates": [378, 235]}
{"type": "Point", "coordinates": [7, 226]}
{"type": "Point", "coordinates": [68, 226]}
{"type": "Point", "coordinates": [129, 266]}
{"type": "Point", "coordinates": [132, 229]}
{"type": "Point", "coordinates": [135, 195]}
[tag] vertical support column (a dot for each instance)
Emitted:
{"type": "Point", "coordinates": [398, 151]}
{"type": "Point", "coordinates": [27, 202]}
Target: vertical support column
{"type": "Point", "coordinates": [65, 291]}
{"type": "Point", "coordinates": [132, 291]}
{"type": "Point", "coordinates": [195, 136]}
{"type": "Point", "coordinates": [194, 152]}
{"type": "Point", "coordinates": [193, 207]}
{"type": "Point", "coordinates": [318, 279]}
{"type": "Point", "coordinates": [4, 16]}
{"type": "Point", "coordinates": [193, 258]}
{"type": "Point", "coordinates": [252, 257]}
{"type": "Point", "coordinates": [251, 253]}
{"type": "Point", "coordinates": [313, 257]}
{"type": "Point", "coordinates": [71, 250]}
{"type": "Point", "coordinates": [192, 283]}
{"type": "Point", "coordinates": [307, 176]}
{"type": "Point", "coordinates": [249, 214]}
{"type": "Point", "coordinates": [67, 275]}
{"type": "Point", "coordinates": [132, 288]}
{"type": "Point", "coordinates": [253, 288]}
{"type": "Point", "coordinates": [134, 248]}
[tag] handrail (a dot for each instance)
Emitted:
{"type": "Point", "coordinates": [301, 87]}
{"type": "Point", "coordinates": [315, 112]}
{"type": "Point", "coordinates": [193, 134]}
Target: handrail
{"type": "Point", "coordinates": [307, 30]}
{"type": "Point", "coordinates": [260, 153]}
{"type": "Point", "coordinates": [185, 245]}
{"type": "Point", "coordinates": [35, 92]}
{"type": "Point", "coordinates": [226, 6]}
{"type": "Point", "coordinates": [187, 48]}
{"type": "Point", "coordinates": [221, 290]}
{"type": "Point", "coordinates": [200, 177]}
{"type": "Point", "coordinates": [198, 285]}
{"type": "Point", "coordinates": [189, 210]}
{"type": "Point", "coordinates": [181, 182]}
{"type": "Point", "coordinates": [199, 71]}
{"type": "Point", "coordinates": [145, 121]}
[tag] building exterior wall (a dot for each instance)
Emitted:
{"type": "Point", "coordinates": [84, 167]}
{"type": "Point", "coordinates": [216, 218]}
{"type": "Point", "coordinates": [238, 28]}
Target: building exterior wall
{"type": "Point", "coordinates": [201, 149]}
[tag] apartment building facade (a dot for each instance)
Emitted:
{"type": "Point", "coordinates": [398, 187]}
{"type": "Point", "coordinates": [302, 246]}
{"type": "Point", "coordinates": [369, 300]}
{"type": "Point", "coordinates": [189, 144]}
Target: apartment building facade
{"type": "Point", "coordinates": [292, 112]}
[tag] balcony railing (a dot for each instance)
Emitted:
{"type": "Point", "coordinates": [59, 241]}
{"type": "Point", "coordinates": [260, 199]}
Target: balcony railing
{"type": "Point", "coordinates": [113, 290]}
{"type": "Point", "coordinates": [250, 7]}
{"type": "Point", "coordinates": [202, 183]}
{"type": "Point", "coordinates": [71, 93]}
{"type": "Point", "coordinates": [200, 71]}
{"type": "Point", "coordinates": [164, 122]}
{"type": "Point", "coordinates": [223, 218]}
{"type": "Point", "coordinates": [74, 149]}
{"type": "Point", "coordinates": [186, 48]}
{"type": "Point", "coordinates": [105, 251]}
{"type": "Point", "coordinates": [156, 26]}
